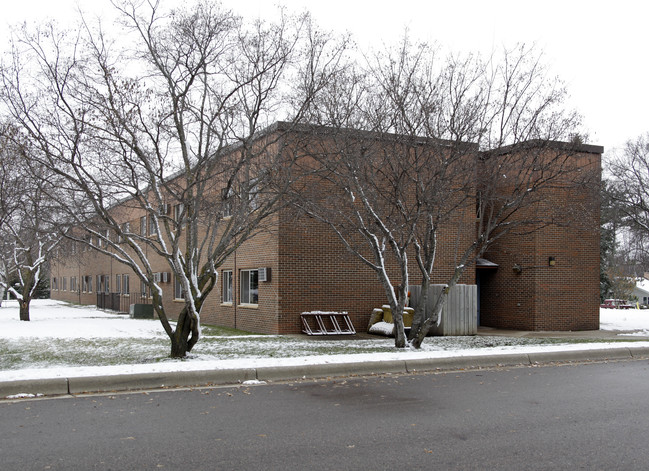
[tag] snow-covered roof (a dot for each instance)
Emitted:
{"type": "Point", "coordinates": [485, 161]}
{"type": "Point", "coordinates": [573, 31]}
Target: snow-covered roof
{"type": "Point", "coordinates": [642, 284]}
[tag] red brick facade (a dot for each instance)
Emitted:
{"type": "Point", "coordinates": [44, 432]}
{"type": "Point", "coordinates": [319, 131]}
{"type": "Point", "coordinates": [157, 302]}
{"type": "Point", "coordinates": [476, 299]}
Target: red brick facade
{"type": "Point", "coordinates": [549, 279]}
{"type": "Point", "coordinates": [309, 269]}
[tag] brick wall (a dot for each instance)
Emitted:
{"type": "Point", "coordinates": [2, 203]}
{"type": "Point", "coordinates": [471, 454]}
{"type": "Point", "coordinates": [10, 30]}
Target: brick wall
{"type": "Point", "coordinates": [312, 270]}
{"type": "Point", "coordinates": [542, 297]}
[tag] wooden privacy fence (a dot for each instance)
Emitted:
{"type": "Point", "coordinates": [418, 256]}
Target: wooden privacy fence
{"type": "Point", "coordinates": [460, 313]}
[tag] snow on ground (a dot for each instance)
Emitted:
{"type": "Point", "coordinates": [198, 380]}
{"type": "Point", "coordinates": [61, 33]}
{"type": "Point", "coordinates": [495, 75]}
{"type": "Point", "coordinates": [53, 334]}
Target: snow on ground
{"type": "Point", "coordinates": [635, 320]}
{"type": "Point", "coordinates": [49, 318]}
{"type": "Point", "coordinates": [56, 320]}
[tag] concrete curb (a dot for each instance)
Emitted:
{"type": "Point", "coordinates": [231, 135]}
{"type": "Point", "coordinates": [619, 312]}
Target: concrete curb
{"type": "Point", "coordinates": [45, 387]}
{"type": "Point", "coordinates": [466, 362]}
{"type": "Point", "coordinates": [161, 380]}
{"type": "Point", "coordinates": [582, 355]}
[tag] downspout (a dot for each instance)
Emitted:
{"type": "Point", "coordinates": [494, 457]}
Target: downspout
{"type": "Point", "coordinates": [235, 287]}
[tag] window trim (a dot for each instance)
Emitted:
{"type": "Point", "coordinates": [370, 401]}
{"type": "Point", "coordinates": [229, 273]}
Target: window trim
{"type": "Point", "coordinates": [178, 290]}
{"type": "Point", "coordinates": [143, 226]}
{"type": "Point", "coordinates": [227, 290]}
{"type": "Point", "coordinates": [246, 288]}
{"type": "Point", "coordinates": [126, 285]}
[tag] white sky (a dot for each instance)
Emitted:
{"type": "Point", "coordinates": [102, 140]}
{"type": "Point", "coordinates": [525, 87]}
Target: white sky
{"type": "Point", "coordinates": [599, 48]}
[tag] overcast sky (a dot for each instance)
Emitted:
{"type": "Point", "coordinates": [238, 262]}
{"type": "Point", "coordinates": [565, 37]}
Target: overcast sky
{"type": "Point", "coordinates": [599, 48]}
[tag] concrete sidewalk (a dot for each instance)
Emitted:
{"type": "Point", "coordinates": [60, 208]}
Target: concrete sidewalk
{"type": "Point", "coordinates": [235, 376]}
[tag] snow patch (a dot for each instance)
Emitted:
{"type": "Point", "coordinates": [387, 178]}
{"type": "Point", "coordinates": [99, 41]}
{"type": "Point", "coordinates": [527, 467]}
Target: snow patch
{"type": "Point", "coordinates": [23, 396]}
{"type": "Point", "coordinates": [253, 381]}
{"type": "Point", "coordinates": [382, 328]}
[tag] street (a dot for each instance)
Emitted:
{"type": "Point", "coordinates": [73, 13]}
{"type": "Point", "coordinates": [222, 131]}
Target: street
{"type": "Point", "coordinates": [589, 416]}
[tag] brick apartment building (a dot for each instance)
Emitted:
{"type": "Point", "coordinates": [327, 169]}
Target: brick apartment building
{"type": "Point", "coordinates": [545, 280]}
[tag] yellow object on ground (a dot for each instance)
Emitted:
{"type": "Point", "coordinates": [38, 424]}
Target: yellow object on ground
{"type": "Point", "coordinates": [408, 314]}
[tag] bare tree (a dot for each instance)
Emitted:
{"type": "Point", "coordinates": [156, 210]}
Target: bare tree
{"type": "Point", "coordinates": [628, 187]}
{"type": "Point", "coordinates": [163, 123]}
{"type": "Point", "coordinates": [28, 233]}
{"type": "Point", "coordinates": [422, 167]}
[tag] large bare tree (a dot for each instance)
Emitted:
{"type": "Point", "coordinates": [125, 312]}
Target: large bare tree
{"type": "Point", "coordinates": [29, 230]}
{"type": "Point", "coordinates": [627, 197]}
{"type": "Point", "coordinates": [162, 121]}
{"type": "Point", "coordinates": [422, 167]}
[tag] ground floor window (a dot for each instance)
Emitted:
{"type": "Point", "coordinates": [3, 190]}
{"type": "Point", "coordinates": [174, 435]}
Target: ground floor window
{"type": "Point", "coordinates": [227, 286]}
{"type": "Point", "coordinates": [87, 284]}
{"type": "Point", "coordinates": [126, 288]}
{"type": "Point", "coordinates": [55, 285]}
{"type": "Point", "coordinates": [179, 292]}
{"type": "Point", "coordinates": [73, 283]}
{"type": "Point", "coordinates": [118, 284]}
{"type": "Point", "coordinates": [249, 286]}
{"type": "Point", "coordinates": [64, 286]}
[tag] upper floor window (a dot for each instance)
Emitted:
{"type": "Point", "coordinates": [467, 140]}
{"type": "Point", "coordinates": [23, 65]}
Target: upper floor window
{"type": "Point", "coordinates": [179, 213]}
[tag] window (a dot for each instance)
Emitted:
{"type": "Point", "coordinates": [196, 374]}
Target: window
{"type": "Point", "coordinates": [227, 286]}
{"type": "Point", "coordinates": [143, 289]}
{"type": "Point", "coordinates": [249, 286]}
{"type": "Point", "coordinates": [73, 248]}
{"type": "Point", "coordinates": [126, 228]}
{"type": "Point", "coordinates": [65, 284]}
{"type": "Point", "coordinates": [55, 285]}
{"type": "Point", "coordinates": [253, 195]}
{"type": "Point", "coordinates": [86, 284]}
{"type": "Point", "coordinates": [179, 215]}
{"type": "Point", "coordinates": [73, 283]}
{"type": "Point", "coordinates": [143, 226]}
{"type": "Point", "coordinates": [118, 284]}
{"type": "Point", "coordinates": [179, 292]}
{"type": "Point", "coordinates": [107, 284]}
{"type": "Point", "coordinates": [103, 239]}
{"type": "Point", "coordinates": [125, 285]}
{"type": "Point", "coordinates": [152, 230]}
{"type": "Point", "coordinates": [227, 197]}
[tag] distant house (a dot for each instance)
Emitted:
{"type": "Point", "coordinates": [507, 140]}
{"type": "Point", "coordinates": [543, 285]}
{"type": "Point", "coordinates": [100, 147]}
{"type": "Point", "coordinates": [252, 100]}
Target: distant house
{"type": "Point", "coordinates": [641, 290]}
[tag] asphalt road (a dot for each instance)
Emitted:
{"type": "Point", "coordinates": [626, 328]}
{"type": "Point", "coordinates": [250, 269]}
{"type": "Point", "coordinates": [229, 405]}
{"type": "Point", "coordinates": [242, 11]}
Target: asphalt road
{"type": "Point", "coordinates": [590, 416]}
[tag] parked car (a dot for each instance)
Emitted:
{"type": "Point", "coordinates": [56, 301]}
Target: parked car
{"type": "Point", "coordinates": [617, 304]}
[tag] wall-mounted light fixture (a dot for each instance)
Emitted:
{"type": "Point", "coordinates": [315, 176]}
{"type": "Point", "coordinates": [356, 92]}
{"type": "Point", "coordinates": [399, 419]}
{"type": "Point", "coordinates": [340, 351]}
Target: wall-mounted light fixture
{"type": "Point", "coordinates": [551, 261]}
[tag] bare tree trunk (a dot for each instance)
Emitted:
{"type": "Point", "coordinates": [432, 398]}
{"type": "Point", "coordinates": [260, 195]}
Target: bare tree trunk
{"type": "Point", "coordinates": [24, 309]}
{"type": "Point", "coordinates": [185, 335]}
{"type": "Point", "coordinates": [417, 337]}
{"type": "Point", "coordinates": [420, 311]}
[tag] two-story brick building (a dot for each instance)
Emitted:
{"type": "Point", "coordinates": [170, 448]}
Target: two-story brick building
{"type": "Point", "coordinates": [545, 280]}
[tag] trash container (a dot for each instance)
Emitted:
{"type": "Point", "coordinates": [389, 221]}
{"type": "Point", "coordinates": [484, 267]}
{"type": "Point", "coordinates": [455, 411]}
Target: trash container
{"type": "Point", "coordinates": [141, 311]}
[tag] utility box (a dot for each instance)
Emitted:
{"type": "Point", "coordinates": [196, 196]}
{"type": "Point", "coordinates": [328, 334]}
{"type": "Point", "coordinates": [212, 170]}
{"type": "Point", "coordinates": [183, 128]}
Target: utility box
{"type": "Point", "coordinates": [141, 311]}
